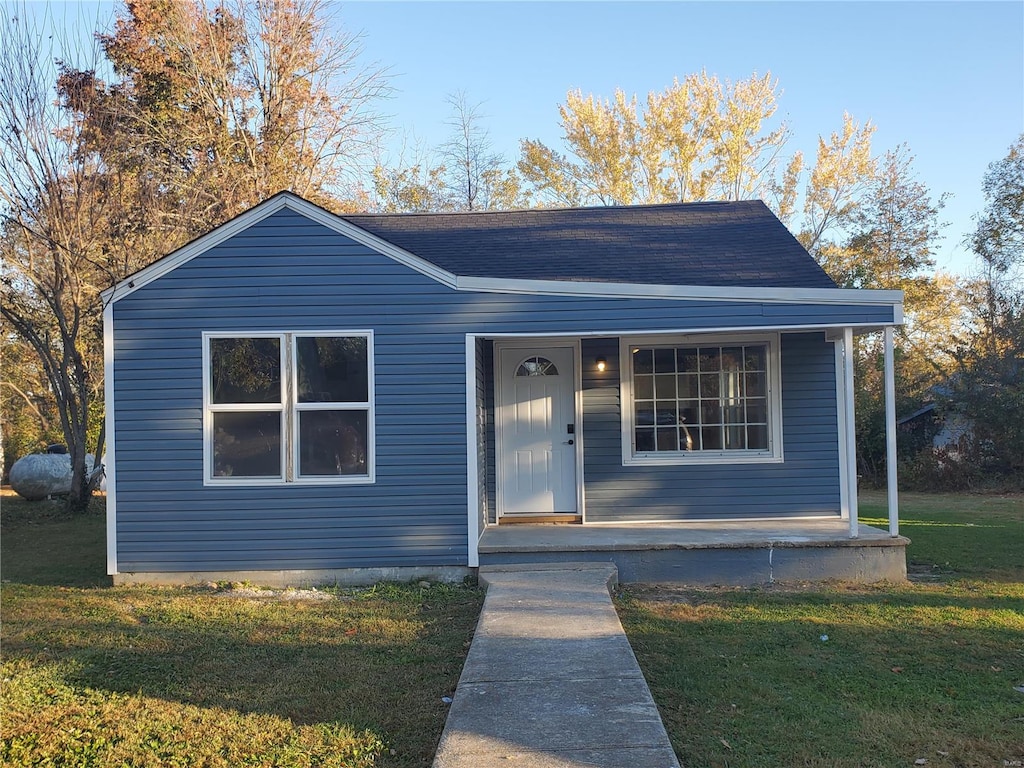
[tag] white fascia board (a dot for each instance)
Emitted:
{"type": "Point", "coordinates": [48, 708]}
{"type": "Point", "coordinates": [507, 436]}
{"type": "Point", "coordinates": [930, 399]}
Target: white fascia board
{"type": "Point", "coordinates": [684, 292]}
{"type": "Point", "coordinates": [255, 215]}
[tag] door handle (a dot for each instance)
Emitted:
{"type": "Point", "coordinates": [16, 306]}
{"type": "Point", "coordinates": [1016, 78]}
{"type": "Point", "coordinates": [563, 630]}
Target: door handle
{"type": "Point", "coordinates": [567, 442]}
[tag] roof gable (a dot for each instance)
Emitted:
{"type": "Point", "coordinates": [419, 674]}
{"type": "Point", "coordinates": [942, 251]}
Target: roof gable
{"type": "Point", "coordinates": [253, 216]}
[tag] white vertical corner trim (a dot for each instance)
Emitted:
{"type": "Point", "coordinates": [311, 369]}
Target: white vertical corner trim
{"type": "Point", "coordinates": [108, 416]}
{"type": "Point", "coordinates": [851, 431]}
{"type": "Point", "coordinates": [844, 475]}
{"type": "Point", "coordinates": [892, 488]}
{"type": "Point", "coordinates": [472, 466]}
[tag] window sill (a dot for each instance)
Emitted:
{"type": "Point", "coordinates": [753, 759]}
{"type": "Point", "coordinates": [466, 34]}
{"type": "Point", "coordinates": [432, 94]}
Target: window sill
{"type": "Point", "coordinates": [279, 483]}
{"type": "Point", "coordinates": [682, 460]}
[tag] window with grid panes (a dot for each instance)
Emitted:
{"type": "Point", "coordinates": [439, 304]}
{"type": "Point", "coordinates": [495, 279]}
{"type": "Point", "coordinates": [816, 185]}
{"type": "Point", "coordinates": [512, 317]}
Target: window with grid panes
{"type": "Point", "coordinates": [708, 398]}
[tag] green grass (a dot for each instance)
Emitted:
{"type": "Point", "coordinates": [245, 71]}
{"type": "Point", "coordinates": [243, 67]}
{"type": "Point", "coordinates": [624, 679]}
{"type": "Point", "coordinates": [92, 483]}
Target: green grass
{"type": "Point", "coordinates": [95, 675]}
{"type": "Point", "coordinates": [965, 534]}
{"type": "Point", "coordinates": [924, 670]}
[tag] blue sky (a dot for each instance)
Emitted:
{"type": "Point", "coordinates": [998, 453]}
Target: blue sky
{"type": "Point", "coordinates": [946, 78]}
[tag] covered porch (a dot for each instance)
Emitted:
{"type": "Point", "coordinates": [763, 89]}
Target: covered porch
{"type": "Point", "coordinates": [753, 536]}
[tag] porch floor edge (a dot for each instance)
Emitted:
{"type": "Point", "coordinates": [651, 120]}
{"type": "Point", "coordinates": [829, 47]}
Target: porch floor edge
{"type": "Point", "coordinates": [654, 536]}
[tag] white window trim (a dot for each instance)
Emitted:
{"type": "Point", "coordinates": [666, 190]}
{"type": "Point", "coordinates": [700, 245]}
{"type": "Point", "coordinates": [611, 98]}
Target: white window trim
{"type": "Point", "coordinates": [773, 455]}
{"type": "Point", "coordinates": [289, 410]}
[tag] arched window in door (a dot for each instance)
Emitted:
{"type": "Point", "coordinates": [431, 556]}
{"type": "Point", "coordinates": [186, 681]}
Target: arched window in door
{"type": "Point", "coordinates": [537, 366]}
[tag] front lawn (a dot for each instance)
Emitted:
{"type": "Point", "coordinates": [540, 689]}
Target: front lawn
{"type": "Point", "coordinates": [842, 675]}
{"type": "Point", "coordinates": [100, 676]}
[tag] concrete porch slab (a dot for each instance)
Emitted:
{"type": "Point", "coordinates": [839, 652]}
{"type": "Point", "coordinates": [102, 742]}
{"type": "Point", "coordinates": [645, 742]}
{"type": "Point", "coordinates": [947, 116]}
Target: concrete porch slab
{"type": "Point", "coordinates": [719, 552]}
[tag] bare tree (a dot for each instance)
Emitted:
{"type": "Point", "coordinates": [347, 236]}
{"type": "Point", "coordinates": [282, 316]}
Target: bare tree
{"type": "Point", "coordinates": [57, 203]}
{"type": "Point", "coordinates": [208, 110]}
{"type": "Point", "coordinates": [473, 171]}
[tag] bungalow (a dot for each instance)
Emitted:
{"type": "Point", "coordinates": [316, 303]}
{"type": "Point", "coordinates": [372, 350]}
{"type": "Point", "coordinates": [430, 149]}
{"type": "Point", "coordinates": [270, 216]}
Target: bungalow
{"type": "Point", "coordinates": [304, 397]}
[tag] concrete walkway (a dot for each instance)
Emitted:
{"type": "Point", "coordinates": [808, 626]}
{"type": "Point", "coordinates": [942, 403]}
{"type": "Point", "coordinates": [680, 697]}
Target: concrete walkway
{"type": "Point", "coordinates": [550, 680]}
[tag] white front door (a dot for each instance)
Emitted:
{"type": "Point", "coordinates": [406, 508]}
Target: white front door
{"type": "Point", "coordinates": [536, 437]}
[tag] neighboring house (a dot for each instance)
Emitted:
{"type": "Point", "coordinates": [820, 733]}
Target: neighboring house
{"type": "Point", "coordinates": [305, 394]}
{"type": "Point", "coordinates": [943, 431]}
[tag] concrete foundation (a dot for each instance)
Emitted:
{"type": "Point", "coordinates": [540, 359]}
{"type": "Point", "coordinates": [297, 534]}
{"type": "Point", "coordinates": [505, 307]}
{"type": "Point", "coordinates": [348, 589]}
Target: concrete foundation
{"type": "Point", "coordinates": [342, 577]}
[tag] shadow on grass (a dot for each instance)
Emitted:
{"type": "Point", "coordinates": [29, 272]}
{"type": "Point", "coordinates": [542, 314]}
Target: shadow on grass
{"type": "Point", "coordinates": [309, 663]}
{"type": "Point", "coordinates": [379, 660]}
{"type": "Point", "coordinates": [41, 544]}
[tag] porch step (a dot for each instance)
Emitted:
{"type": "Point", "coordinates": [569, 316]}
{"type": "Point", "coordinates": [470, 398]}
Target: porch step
{"type": "Point", "coordinates": [611, 573]}
{"type": "Point", "coordinates": [534, 519]}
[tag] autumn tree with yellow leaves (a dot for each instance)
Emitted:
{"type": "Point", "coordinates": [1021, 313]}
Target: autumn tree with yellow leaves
{"type": "Point", "coordinates": [702, 138]}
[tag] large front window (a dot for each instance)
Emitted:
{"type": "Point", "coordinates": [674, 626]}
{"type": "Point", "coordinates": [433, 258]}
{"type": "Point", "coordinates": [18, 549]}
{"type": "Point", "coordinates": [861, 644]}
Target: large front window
{"type": "Point", "coordinates": [289, 407]}
{"type": "Point", "coordinates": [708, 401]}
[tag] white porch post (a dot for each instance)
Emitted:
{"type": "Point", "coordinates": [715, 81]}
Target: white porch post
{"type": "Point", "coordinates": [890, 434]}
{"type": "Point", "coordinates": [851, 431]}
{"type": "Point", "coordinates": [472, 467]}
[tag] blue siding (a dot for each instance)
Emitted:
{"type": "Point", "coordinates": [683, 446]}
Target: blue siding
{"type": "Point", "coordinates": [288, 273]}
{"type": "Point", "coordinates": [806, 483]}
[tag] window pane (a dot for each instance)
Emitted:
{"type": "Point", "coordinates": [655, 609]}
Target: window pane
{"type": "Point", "coordinates": [668, 439]}
{"type": "Point", "coordinates": [733, 414]}
{"type": "Point", "coordinates": [664, 361]}
{"type": "Point", "coordinates": [689, 412]}
{"type": "Point", "coordinates": [245, 370]}
{"type": "Point", "coordinates": [711, 438]}
{"type": "Point", "coordinates": [643, 387]}
{"type": "Point", "coordinates": [687, 439]}
{"type": "Point", "coordinates": [247, 444]}
{"type": "Point", "coordinates": [644, 414]}
{"type": "Point", "coordinates": [686, 360]}
{"type": "Point", "coordinates": [757, 412]}
{"type": "Point", "coordinates": [756, 385]}
{"type": "Point", "coordinates": [332, 369]}
{"type": "Point", "coordinates": [710, 413]}
{"type": "Point", "coordinates": [734, 438]}
{"type": "Point", "coordinates": [332, 443]}
{"type": "Point", "coordinates": [644, 440]}
{"type": "Point", "coordinates": [710, 359]}
{"type": "Point", "coordinates": [709, 384]}
{"type": "Point", "coordinates": [754, 358]}
{"type": "Point", "coordinates": [667, 413]}
{"type": "Point", "coordinates": [688, 385]}
{"type": "Point", "coordinates": [665, 383]}
{"type": "Point", "coordinates": [643, 361]}
{"type": "Point", "coordinates": [732, 358]}
{"type": "Point", "coordinates": [731, 382]}
{"type": "Point", "coordinates": [757, 438]}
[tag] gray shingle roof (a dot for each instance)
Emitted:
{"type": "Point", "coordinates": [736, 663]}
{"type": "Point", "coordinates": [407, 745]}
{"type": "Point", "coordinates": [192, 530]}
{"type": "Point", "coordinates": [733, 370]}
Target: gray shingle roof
{"type": "Point", "coordinates": [713, 244]}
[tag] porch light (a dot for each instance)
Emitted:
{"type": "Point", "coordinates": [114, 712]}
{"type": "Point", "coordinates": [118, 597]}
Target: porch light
{"type": "Point", "coordinates": [601, 364]}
